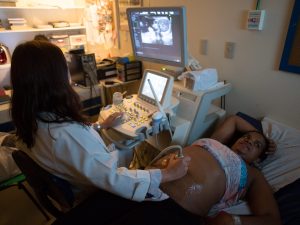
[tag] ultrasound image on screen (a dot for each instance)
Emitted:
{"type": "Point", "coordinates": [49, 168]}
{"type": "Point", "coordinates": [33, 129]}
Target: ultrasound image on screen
{"type": "Point", "coordinates": [157, 30]}
{"type": "Point", "coordinates": [158, 34]}
{"type": "Point", "coordinates": [158, 83]}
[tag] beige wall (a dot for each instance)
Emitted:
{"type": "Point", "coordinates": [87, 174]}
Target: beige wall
{"type": "Point", "coordinates": [259, 88]}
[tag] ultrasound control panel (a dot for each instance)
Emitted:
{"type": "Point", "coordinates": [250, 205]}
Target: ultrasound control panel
{"type": "Point", "coordinates": [137, 115]}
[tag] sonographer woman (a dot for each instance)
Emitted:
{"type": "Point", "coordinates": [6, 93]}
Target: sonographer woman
{"type": "Point", "coordinates": [48, 117]}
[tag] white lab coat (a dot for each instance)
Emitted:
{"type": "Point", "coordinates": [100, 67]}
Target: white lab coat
{"type": "Point", "coordinates": [79, 155]}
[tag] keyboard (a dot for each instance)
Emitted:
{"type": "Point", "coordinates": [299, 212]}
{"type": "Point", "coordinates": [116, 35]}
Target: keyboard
{"type": "Point", "coordinates": [137, 115]}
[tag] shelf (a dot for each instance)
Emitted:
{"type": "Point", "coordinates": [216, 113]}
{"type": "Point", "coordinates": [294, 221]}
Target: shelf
{"type": "Point", "coordinates": [38, 30]}
{"type": "Point", "coordinates": [41, 7]}
{"type": "Point", "coordinates": [128, 6]}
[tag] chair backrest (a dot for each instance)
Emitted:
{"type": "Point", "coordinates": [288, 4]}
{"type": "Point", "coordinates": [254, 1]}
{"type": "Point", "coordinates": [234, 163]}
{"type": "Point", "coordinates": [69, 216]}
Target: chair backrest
{"type": "Point", "coordinates": [46, 186]}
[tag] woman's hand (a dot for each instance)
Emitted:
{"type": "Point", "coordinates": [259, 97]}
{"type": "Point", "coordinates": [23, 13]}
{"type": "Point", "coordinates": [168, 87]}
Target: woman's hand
{"type": "Point", "coordinates": [113, 120]}
{"type": "Point", "coordinates": [271, 147]}
{"type": "Point", "coordinates": [175, 168]}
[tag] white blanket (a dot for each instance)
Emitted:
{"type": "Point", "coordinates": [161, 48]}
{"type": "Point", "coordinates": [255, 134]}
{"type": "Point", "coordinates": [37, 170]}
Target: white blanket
{"type": "Point", "coordinates": [283, 167]}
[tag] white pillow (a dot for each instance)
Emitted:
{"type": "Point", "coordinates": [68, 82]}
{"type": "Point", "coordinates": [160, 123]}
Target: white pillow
{"type": "Point", "coordinates": [283, 167]}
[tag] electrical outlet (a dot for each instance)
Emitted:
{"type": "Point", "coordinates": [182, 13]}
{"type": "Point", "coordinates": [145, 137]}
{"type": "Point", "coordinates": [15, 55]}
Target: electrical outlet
{"type": "Point", "coordinates": [203, 46]}
{"type": "Point", "coordinates": [229, 50]}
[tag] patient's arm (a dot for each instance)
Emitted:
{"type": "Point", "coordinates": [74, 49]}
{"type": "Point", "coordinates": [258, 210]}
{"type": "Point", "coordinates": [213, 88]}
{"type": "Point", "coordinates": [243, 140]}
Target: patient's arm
{"type": "Point", "coordinates": [261, 201]}
{"type": "Point", "coordinates": [227, 129]}
{"type": "Point", "coordinates": [225, 132]}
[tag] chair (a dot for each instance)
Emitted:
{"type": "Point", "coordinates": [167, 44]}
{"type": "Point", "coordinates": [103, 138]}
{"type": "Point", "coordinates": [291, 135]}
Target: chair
{"type": "Point", "coordinates": [46, 186]}
{"type": "Point", "coordinates": [18, 181]}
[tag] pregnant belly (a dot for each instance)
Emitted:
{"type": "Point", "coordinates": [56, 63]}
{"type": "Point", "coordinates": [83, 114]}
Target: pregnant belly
{"type": "Point", "coordinates": [203, 185]}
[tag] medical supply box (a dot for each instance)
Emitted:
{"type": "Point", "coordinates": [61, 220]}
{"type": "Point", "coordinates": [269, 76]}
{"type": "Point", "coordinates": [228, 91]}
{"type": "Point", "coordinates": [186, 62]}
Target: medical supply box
{"type": "Point", "coordinates": [106, 69]}
{"type": "Point", "coordinates": [200, 80]}
{"type": "Point", "coordinates": [128, 71]}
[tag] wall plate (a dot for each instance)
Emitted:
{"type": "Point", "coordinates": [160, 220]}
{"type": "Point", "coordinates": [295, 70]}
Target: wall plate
{"type": "Point", "coordinates": [255, 19]}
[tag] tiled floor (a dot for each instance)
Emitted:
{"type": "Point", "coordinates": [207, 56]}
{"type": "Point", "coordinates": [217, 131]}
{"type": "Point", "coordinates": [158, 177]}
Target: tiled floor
{"type": "Point", "coordinates": [17, 209]}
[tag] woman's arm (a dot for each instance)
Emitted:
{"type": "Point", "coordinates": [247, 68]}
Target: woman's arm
{"type": "Point", "coordinates": [81, 154]}
{"type": "Point", "coordinates": [261, 201]}
{"type": "Point", "coordinates": [227, 129]}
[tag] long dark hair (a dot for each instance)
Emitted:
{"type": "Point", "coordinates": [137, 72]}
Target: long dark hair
{"type": "Point", "coordinates": [40, 83]}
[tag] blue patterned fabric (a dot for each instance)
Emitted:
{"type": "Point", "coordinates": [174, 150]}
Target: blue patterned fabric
{"type": "Point", "coordinates": [244, 175]}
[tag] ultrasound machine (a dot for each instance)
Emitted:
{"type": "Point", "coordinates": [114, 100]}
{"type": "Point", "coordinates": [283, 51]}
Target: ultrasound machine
{"type": "Point", "coordinates": [139, 109]}
{"type": "Point", "coordinates": [163, 103]}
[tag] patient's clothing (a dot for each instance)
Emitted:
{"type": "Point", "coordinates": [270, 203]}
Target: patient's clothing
{"type": "Point", "coordinates": [235, 171]}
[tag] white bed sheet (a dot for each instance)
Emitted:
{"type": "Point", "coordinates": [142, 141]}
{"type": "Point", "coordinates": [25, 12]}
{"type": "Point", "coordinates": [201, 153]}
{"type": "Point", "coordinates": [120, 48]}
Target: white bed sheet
{"type": "Point", "coordinates": [283, 167]}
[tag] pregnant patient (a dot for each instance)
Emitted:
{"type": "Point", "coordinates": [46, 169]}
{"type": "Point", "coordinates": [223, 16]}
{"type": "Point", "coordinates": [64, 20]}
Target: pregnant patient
{"type": "Point", "coordinates": [218, 177]}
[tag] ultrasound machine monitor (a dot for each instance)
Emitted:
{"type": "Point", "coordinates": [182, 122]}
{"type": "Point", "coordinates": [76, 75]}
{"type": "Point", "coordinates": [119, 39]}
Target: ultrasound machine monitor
{"type": "Point", "coordinates": [158, 34]}
{"type": "Point", "coordinates": [162, 86]}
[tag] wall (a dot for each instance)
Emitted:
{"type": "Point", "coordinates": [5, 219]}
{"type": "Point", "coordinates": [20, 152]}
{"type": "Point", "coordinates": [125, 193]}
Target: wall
{"type": "Point", "coordinates": [259, 88]}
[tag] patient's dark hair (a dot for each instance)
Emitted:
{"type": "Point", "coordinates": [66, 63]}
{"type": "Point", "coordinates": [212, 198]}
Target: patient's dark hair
{"type": "Point", "coordinates": [39, 78]}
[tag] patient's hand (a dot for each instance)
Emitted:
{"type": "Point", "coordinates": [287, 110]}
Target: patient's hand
{"type": "Point", "coordinates": [272, 146]}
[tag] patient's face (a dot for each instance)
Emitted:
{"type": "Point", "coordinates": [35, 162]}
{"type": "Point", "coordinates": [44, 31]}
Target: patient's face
{"type": "Point", "coordinates": [250, 146]}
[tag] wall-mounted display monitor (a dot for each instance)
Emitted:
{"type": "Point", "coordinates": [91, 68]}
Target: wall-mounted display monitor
{"type": "Point", "coordinates": [159, 34]}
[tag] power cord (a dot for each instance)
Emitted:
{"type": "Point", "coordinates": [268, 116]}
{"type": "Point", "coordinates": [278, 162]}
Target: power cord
{"type": "Point", "coordinates": [92, 81]}
{"type": "Point", "coordinates": [164, 116]}
{"type": "Point", "coordinates": [258, 5]}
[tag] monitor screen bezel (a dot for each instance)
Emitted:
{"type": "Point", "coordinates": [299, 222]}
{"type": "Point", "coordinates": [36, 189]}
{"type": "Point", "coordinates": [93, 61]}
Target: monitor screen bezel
{"type": "Point", "coordinates": [183, 33]}
{"type": "Point", "coordinates": [147, 98]}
